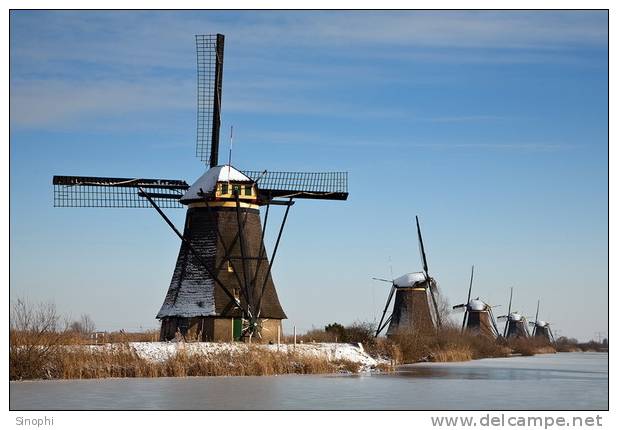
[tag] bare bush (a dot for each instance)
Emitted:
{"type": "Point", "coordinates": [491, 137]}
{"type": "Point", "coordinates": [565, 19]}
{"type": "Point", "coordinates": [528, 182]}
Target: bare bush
{"type": "Point", "coordinates": [34, 339]}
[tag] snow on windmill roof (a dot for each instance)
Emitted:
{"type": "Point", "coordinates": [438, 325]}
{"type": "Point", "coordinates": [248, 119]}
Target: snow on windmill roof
{"type": "Point", "coordinates": [515, 317]}
{"type": "Point", "coordinates": [409, 279]}
{"type": "Point", "coordinates": [208, 181]}
{"type": "Point", "coordinates": [541, 323]}
{"type": "Point", "coordinates": [476, 305]}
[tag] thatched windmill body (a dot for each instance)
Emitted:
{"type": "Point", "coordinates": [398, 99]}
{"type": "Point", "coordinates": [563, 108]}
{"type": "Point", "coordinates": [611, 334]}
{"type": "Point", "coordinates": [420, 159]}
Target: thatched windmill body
{"type": "Point", "coordinates": [222, 287]}
{"type": "Point", "coordinates": [478, 316]}
{"type": "Point", "coordinates": [416, 306]}
{"type": "Point", "coordinates": [515, 324]}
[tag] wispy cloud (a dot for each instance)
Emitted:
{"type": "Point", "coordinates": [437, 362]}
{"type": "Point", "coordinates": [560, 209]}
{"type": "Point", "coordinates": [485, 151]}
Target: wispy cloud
{"type": "Point", "coordinates": [460, 118]}
{"type": "Point", "coordinates": [58, 103]}
{"type": "Point", "coordinates": [499, 146]}
{"type": "Point", "coordinates": [161, 39]}
{"type": "Point", "coordinates": [302, 139]}
{"type": "Point", "coordinates": [67, 66]}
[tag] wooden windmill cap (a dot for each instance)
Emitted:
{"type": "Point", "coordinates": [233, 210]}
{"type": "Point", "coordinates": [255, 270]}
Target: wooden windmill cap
{"type": "Point", "coordinates": [208, 181]}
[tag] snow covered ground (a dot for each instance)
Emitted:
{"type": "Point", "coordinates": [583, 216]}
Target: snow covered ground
{"type": "Point", "coordinates": [160, 351]}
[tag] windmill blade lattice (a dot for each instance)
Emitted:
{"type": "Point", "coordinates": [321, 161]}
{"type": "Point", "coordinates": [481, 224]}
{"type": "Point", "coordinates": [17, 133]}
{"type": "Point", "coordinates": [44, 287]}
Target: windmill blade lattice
{"type": "Point", "coordinates": [101, 192]}
{"type": "Point", "coordinates": [209, 89]}
{"type": "Point", "coordinates": [301, 185]}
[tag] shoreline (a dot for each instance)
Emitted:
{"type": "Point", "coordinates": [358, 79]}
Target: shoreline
{"type": "Point", "coordinates": [339, 373]}
{"type": "Point", "coordinates": [202, 359]}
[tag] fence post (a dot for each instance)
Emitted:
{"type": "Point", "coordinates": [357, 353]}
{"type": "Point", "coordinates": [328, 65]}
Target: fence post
{"type": "Point", "coordinates": [294, 338]}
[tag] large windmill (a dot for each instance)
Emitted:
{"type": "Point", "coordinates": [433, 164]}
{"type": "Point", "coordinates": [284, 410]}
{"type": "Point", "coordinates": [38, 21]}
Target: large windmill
{"type": "Point", "coordinates": [221, 287]}
{"type": "Point", "coordinates": [478, 316]}
{"type": "Point", "coordinates": [541, 329]}
{"type": "Point", "coordinates": [515, 324]}
{"type": "Point", "coordinates": [416, 306]}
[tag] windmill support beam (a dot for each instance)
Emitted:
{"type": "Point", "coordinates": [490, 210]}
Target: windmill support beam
{"type": "Point", "coordinates": [272, 258]}
{"type": "Point", "coordinates": [435, 305]}
{"type": "Point", "coordinates": [388, 302]}
{"type": "Point", "coordinates": [465, 318]}
{"type": "Point", "coordinates": [281, 202]}
{"type": "Point", "coordinates": [261, 254]}
{"type": "Point", "coordinates": [493, 322]}
{"type": "Point", "coordinates": [386, 323]}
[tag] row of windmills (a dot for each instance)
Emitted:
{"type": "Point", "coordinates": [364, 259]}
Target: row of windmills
{"type": "Point", "coordinates": [517, 325]}
{"type": "Point", "coordinates": [221, 288]}
{"type": "Point", "coordinates": [416, 309]}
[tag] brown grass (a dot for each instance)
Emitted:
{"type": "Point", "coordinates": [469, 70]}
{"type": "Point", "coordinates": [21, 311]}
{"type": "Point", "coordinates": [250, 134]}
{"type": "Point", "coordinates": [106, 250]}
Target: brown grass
{"type": "Point", "coordinates": [84, 362]}
{"type": "Point", "coordinates": [447, 344]}
{"type": "Point", "coordinates": [530, 346]}
{"type": "Point", "coordinates": [455, 353]}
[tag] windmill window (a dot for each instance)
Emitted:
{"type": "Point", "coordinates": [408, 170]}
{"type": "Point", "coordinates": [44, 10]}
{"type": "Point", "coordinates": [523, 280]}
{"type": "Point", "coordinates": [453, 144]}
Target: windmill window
{"type": "Point", "coordinates": [229, 266]}
{"type": "Point", "coordinates": [236, 189]}
{"type": "Point", "coordinates": [247, 190]}
{"type": "Point", "coordinates": [224, 189]}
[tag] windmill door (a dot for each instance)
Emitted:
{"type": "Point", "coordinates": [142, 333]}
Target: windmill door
{"type": "Point", "coordinates": [237, 328]}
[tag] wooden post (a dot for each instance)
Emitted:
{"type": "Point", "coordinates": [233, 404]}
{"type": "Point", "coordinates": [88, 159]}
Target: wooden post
{"type": "Point", "coordinates": [294, 338]}
{"type": "Point", "coordinates": [278, 335]}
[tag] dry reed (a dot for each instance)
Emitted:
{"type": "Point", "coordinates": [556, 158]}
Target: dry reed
{"type": "Point", "coordinates": [85, 362]}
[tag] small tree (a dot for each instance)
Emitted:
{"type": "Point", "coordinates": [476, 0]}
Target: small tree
{"type": "Point", "coordinates": [85, 325]}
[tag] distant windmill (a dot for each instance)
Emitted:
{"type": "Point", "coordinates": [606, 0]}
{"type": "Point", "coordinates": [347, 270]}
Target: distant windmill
{"type": "Point", "coordinates": [515, 325]}
{"type": "Point", "coordinates": [222, 286]}
{"type": "Point", "coordinates": [416, 307]}
{"type": "Point", "coordinates": [541, 329]}
{"type": "Point", "coordinates": [478, 316]}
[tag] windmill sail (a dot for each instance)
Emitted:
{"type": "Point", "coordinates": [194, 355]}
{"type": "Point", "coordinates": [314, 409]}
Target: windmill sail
{"type": "Point", "coordinates": [100, 192]}
{"type": "Point", "coordinates": [209, 88]}
{"type": "Point", "coordinates": [431, 285]}
{"type": "Point", "coordinates": [301, 185]}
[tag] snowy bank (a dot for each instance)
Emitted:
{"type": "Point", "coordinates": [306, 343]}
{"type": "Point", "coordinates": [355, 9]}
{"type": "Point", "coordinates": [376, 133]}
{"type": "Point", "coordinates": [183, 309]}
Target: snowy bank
{"type": "Point", "coordinates": [161, 351]}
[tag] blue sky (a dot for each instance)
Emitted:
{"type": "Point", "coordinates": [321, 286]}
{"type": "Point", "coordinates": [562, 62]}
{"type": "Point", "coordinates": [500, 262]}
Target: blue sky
{"type": "Point", "coordinates": [492, 127]}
